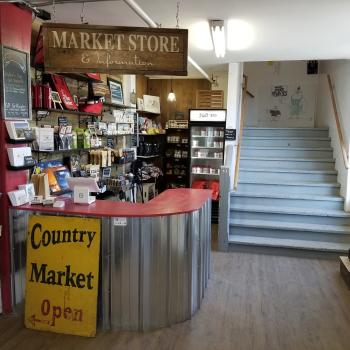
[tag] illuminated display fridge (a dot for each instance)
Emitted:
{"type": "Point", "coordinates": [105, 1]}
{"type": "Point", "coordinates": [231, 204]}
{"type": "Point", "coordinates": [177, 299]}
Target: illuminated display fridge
{"type": "Point", "coordinates": [207, 135]}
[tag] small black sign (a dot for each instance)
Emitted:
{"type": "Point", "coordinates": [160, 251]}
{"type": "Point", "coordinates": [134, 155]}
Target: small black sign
{"type": "Point", "coordinates": [312, 67]}
{"type": "Point", "coordinates": [29, 161]}
{"type": "Point", "coordinates": [106, 172]}
{"type": "Point", "coordinates": [62, 121]}
{"type": "Point", "coordinates": [110, 142]}
{"type": "Point", "coordinates": [230, 134]}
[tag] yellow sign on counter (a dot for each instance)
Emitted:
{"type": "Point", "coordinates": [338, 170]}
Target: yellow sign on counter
{"type": "Point", "coordinates": [62, 274]}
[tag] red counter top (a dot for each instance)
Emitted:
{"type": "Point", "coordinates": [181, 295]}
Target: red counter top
{"type": "Point", "coordinates": [169, 202]}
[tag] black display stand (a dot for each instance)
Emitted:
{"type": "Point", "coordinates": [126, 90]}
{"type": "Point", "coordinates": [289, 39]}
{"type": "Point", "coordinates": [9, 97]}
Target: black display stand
{"type": "Point", "coordinates": [177, 153]}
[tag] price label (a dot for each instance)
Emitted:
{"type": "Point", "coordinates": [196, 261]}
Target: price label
{"type": "Point", "coordinates": [120, 222]}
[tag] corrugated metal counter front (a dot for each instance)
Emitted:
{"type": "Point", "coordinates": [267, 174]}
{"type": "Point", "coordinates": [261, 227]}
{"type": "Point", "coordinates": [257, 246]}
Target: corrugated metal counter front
{"type": "Point", "coordinates": [153, 269]}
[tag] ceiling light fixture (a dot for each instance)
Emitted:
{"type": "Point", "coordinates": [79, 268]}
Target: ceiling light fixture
{"type": "Point", "coordinates": [218, 36]}
{"type": "Point", "coordinates": [171, 96]}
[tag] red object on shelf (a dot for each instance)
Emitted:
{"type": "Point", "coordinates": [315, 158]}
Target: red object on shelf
{"type": "Point", "coordinates": [37, 95]}
{"type": "Point", "coordinates": [95, 76]}
{"type": "Point", "coordinates": [47, 99]}
{"type": "Point", "coordinates": [95, 108]}
{"type": "Point", "coordinates": [214, 186]}
{"type": "Point", "coordinates": [199, 184]}
{"type": "Point", "coordinates": [62, 89]}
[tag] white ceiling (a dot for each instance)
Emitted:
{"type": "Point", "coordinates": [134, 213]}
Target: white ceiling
{"type": "Point", "coordinates": [283, 29]}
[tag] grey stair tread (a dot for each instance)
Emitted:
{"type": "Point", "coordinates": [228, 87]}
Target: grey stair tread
{"type": "Point", "coordinates": [290, 210]}
{"type": "Point", "coordinates": [292, 226]}
{"type": "Point", "coordinates": [326, 160]}
{"type": "Point", "coordinates": [287, 138]}
{"type": "Point", "coordinates": [289, 148]}
{"type": "Point", "coordinates": [297, 171]}
{"type": "Point", "coordinates": [289, 183]}
{"type": "Point", "coordinates": [259, 128]}
{"type": "Point", "coordinates": [288, 196]}
{"type": "Point", "coordinates": [289, 243]}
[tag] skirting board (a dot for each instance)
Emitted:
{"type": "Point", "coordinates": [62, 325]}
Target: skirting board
{"type": "Point", "coordinates": [345, 269]}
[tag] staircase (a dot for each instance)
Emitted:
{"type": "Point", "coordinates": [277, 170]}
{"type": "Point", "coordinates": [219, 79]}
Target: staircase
{"type": "Point", "coordinates": [288, 195]}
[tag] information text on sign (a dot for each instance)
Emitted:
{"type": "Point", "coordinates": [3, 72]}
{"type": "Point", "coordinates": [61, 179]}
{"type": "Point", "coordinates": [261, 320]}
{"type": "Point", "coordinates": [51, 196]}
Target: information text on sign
{"type": "Point", "coordinates": [62, 274]}
{"type": "Point", "coordinates": [85, 48]}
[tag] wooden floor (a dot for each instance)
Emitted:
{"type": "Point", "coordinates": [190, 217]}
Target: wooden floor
{"type": "Point", "coordinates": [252, 302]}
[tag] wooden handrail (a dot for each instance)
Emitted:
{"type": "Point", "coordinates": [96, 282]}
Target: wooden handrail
{"type": "Point", "coordinates": [241, 126]}
{"type": "Point", "coordinates": [337, 121]}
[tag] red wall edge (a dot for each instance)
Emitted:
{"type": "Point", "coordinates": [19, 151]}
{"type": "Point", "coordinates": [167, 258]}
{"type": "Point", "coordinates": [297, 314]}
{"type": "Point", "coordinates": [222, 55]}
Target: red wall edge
{"type": "Point", "coordinates": [15, 32]}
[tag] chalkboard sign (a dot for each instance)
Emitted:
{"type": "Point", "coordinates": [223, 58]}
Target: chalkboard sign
{"type": "Point", "coordinates": [230, 134]}
{"type": "Point", "coordinates": [15, 84]}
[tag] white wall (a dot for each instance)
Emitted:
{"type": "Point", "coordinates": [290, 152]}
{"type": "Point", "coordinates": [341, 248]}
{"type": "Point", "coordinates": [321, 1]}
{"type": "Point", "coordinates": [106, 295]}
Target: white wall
{"type": "Point", "coordinates": [340, 74]}
{"type": "Point", "coordinates": [234, 97]}
{"type": "Point", "coordinates": [221, 83]}
{"type": "Point", "coordinates": [263, 76]}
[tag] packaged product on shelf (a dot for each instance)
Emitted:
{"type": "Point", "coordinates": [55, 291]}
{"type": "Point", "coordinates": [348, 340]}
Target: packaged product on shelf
{"type": "Point", "coordinates": [109, 157]}
{"type": "Point", "coordinates": [45, 139]}
{"type": "Point", "coordinates": [74, 140]}
{"type": "Point", "coordinates": [73, 162]}
{"type": "Point", "coordinates": [111, 129]}
{"type": "Point", "coordinates": [104, 159]}
{"type": "Point", "coordinates": [87, 137]}
{"type": "Point", "coordinates": [95, 141]}
{"type": "Point", "coordinates": [80, 137]}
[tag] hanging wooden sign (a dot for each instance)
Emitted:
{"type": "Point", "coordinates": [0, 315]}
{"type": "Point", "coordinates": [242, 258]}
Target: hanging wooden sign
{"type": "Point", "coordinates": [104, 49]}
{"type": "Point", "coordinates": [62, 274]}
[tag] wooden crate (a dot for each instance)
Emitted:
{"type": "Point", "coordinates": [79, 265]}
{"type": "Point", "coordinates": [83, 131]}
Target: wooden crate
{"type": "Point", "coordinates": [210, 99]}
{"type": "Point", "coordinates": [345, 269]}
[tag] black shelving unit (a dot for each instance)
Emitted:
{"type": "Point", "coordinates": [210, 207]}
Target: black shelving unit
{"type": "Point", "coordinates": [16, 142]}
{"type": "Point", "coordinates": [17, 168]}
{"type": "Point", "coordinates": [68, 150]}
{"type": "Point", "coordinates": [65, 111]}
{"type": "Point", "coordinates": [177, 154]}
{"type": "Point", "coordinates": [147, 113]}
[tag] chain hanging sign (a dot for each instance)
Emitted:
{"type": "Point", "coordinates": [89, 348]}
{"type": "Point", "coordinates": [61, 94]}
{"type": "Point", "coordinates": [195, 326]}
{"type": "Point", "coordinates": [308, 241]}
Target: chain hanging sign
{"type": "Point", "coordinates": [103, 49]}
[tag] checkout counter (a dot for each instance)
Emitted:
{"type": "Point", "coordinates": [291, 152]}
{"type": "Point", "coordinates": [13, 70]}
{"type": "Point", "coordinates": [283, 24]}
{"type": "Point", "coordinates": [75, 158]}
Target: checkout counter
{"type": "Point", "coordinates": [154, 257]}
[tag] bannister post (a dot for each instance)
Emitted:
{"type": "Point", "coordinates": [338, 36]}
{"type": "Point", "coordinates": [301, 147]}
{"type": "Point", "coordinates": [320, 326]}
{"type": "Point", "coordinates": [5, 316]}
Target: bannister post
{"type": "Point", "coordinates": [224, 208]}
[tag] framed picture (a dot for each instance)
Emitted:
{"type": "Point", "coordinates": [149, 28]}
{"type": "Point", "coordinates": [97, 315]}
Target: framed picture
{"type": "Point", "coordinates": [116, 90]}
{"type": "Point", "coordinates": [140, 106]}
{"type": "Point", "coordinates": [151, 104]}
{"type": "Point", "coordinates": [56, 99]}
{"type": "Point", "coordinates": [16, 129]}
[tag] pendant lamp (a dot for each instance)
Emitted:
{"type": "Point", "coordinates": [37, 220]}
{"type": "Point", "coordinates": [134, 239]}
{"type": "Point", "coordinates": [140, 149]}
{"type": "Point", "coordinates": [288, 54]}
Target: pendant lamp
{"type": "Point", "coordinates": [171, 96]}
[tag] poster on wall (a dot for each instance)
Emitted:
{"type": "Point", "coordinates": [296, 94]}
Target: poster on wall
{"type": "Point", "coordinates": [287, 105]}
{"type": "Point", "coordinates": [62, 274]}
